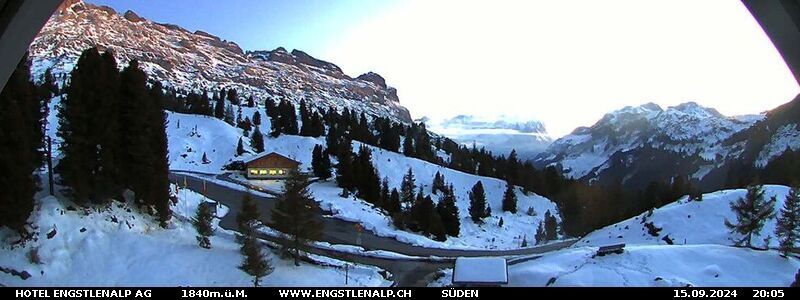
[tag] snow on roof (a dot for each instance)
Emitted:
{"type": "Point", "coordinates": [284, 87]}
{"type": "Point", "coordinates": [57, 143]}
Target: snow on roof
{"type": "Point", "coordinates": [480, 270]}
{"type": "Point", "coordinates": [265, 154]}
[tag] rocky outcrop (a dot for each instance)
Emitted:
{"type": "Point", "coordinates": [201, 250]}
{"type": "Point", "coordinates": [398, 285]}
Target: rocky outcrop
{"type": "Point", "coordinates": [374, 78]}
{"type": "Point", "coordinates": [202, 61]}
{"type": "Point", "coordinates": [133, 17]}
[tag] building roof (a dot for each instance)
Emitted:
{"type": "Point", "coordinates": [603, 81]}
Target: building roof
{"type": "Point", "coordinates": [266, 154]}
{"type": "Point", "coordinates": [482, 270]}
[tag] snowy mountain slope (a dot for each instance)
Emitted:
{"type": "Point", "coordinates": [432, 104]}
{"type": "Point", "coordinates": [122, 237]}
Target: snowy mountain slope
{"type": "Point", "coordinates": [487, 236]}
{"type": "Point", "coordinates": [686, 139]}
{"type": "Point", "coordinates": [658, 266]}
{"type": "Point", "coordinates": [218, 140]}
{"type": "Point", "coordinates": [201, 61]}
{"type": "Point", "coordinates": [687, 222]}
{"type": "Point", "coordinates": [117, 246]}
{"type": "Point", "coordinates": [499, 135]}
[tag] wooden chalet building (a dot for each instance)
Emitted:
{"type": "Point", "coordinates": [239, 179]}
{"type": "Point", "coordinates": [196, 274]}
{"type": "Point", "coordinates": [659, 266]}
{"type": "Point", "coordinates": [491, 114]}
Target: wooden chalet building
{"type": "Point", "coordinates": [270, 165]}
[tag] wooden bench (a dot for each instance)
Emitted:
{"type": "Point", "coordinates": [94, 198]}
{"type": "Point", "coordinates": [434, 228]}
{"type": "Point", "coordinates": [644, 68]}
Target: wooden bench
{"type": "Point", "coordinates": [609, 249]}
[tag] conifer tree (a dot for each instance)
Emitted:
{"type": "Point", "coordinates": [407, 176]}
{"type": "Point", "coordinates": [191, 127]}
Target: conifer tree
{"type": "Point", "coordinates": [255, 263]}
{"type": "Point", "coordinates": [219, 107]}
{"type": "Point", "coordinates": [18, 149]}
{"type": "Point", "coordinates": [344, 168]}
{"type": "Point", "coordinates": [251, 102]}
{"type": "Point", "coordinates": [477, 203]}
{"type": "Point", "coordinates": [407, 188]}
{"type": "Point", "coordinates": [320, 163]}
{"type": "Point", "coordinates": [510, 199]}
{"type": "Point", "coordinates": [751, 213]}
{"type": "Point", "coordinates": [233, 97]}
{"type": "Point", "coordinates": [229, 116]}
{"type": "Point", "coordinates": [394, 202]}
{"type": "Point", "coordinates": [257, 140]}
{"type": "Point", "coordinates": [788, 226]}
{"type": "Point", "coordinates": [550, 226]}
{"type": "Point", "coordinates": [438, 183]}
{"type": "Point", "coordinates": [541, 235]}
{"type": "Point", "coordinates": [297, 215]}
{"type": "Point", "coordinates": [408, 145]}
{"type": "Point", "coordinates": [202, 224]}
{"type": "Point", "coordinates": [448, 212]}
{"type": "Point", "coordinates": [384, 200]}
{"type": "Point", "coordinates": [158, 188]}
{"type": "Point", "coordinates": [240, 147]}
{"type": "Point", "coordinates": [257, 118]}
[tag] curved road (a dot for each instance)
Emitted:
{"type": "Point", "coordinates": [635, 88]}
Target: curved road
{"type": "Point", "coordinates": [406, 271]}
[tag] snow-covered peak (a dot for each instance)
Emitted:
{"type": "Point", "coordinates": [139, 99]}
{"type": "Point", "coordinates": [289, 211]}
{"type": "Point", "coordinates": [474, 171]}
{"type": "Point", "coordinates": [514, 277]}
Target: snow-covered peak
{"type": "Point", "coordinates": [499, 134]}
{"type": "Point", "coordinates": [500, 122]}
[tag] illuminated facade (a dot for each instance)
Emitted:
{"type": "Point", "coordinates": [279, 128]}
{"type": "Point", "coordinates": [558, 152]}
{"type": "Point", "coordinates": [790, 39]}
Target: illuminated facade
{"type": "Point", "coordinates": [270, 166]}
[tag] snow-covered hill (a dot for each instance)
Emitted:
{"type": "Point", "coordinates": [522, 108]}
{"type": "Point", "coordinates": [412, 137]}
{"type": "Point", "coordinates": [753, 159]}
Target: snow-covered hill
{"type": "Point", "coordinates": [118, 246]}
{"type": "Point", "coordinates": [636, 145]}
{"type": "Point", "coordinates": [657, 266]}
{"type": "Point", "coordinates": [218, 141]}
{"type": "Point", "coordinates": [499, 135]}
{"type": "Point", "coordinates": [688, 222]}
{"type": "Point", "coordinates": [201, 61]}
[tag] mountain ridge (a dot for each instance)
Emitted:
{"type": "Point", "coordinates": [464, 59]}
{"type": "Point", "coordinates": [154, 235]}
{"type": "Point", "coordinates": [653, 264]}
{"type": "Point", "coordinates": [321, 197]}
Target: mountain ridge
{"type": "Point", "coordinates": [198, 61]}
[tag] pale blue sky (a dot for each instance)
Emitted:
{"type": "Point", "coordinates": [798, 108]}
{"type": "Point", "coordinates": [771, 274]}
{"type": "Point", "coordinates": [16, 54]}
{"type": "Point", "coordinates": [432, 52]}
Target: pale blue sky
{"type": "Point", "coordinates": [565, 63]}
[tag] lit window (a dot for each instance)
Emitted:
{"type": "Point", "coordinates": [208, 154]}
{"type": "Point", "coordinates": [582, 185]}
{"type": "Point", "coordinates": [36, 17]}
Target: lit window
{"type": "Point", "coordinates": [282, 172]}
{"type": "Point", "coordinates": [273, 172]}
{"type": "Point", "coordinates": [253, 172]}
{"type": "Point", "coordinates": [262, 172]}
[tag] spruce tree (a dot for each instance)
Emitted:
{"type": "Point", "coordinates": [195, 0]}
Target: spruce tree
{"type": "Point", "coordinates": [202, 224]}
{"type": "Point", "coordinates": [448, 212]}
{"type": "Point", "coordinates": [135, 121]}
{"type": "Point", "coordinates": [229, 116]}
{"type": "Point", "coordinates": [394, 202]}
{"type": "Point", "coordinates": [344, 168]}
{"type": "Point", "coordinates": [384, 199]}
{"type": "Point", "coordinates": [18, 149]}
{"type": "Point", "coordinates": [240, 147]}
{"type": "Point", "coordinates": [751, 213]}
{"type": "Point", "coordinates": [251, 102]}
{"type": "Point", "coordinates": [541, 235]}
{"type": "Point", "coordinates": [158, 188]}
{"type": "Point", "coordinates": [510, 199]}
{"type": "Point", "coordinates": [438, 183]}
{"type": "Point", "coordinates": [407, 188]}
{"type": "Point", "coordinates": [477, 203]}
{"type": "Point", "coordinates": [297, 215]}
{"type": "Point", "coordinates": [320, 163]}
{"type": "Point", "coordinates": [408, 145]}
{"type": "Point", "coordinates": [788, 226]}
{"type": "Point", "coordinates": [257, 118]}
{"type": "Point", "coordinates": [219, 107]}
{"type": "Point", "coordinates": [550, 226]}
{"type": "Point", "coordinates": [257, 140]}
{"type": "Point", "coordinates": [255, 263]}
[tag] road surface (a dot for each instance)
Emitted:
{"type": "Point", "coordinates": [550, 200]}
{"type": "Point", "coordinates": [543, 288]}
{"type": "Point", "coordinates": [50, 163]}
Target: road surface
{"type": "Point", "coordinates": [406, 271]}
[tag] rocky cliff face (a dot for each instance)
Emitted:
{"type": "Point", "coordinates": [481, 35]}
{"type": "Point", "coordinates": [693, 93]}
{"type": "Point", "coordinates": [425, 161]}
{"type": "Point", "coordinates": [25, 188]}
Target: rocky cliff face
{"type": "Point", "coordinates": [202, 61]}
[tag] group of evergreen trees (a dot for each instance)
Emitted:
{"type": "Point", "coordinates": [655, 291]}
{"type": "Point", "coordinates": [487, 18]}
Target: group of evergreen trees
{"type": "Point", "coordinates": [22, 109]}
{"type": "Point", "coordinates": [411, 209]}
{"type": "Point", "coordinates": [113, 135]}
{"type": "Point", "coordinates": [753, 211]}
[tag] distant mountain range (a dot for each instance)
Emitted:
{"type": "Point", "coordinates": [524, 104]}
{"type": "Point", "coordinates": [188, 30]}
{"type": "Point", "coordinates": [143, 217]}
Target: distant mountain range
{"type": "Point", "coordinates": [201, 61]}
{"type": "Point", "coordinates": [499, 135]}
{"type": "Point", "coordinates": [636, 145]}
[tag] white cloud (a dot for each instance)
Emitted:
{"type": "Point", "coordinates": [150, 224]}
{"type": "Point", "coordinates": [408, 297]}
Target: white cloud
{"type": "Point", "coordinates": [568, 62]}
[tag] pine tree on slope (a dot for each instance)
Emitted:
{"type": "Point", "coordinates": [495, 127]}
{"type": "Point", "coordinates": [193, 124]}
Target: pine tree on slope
{"type": "Point", "coordinates": [751, 213]}
{"type": "Point", "coordinates": [202, 224]}
{"type": "Point", "coordinates": [297, 215]}
{"type": "Point", "coordinates": [477, 203]}
{"type": "Point", "coordinates": [255, 263]}
{"type": "Point", "coordinates": [257, 140]}
{"type": "Point", "coordinates": [788, 226]}
{"type": "Point", "coordinates": [510, 199]}
{"type": "Point", "coordinates": [448, 212]}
